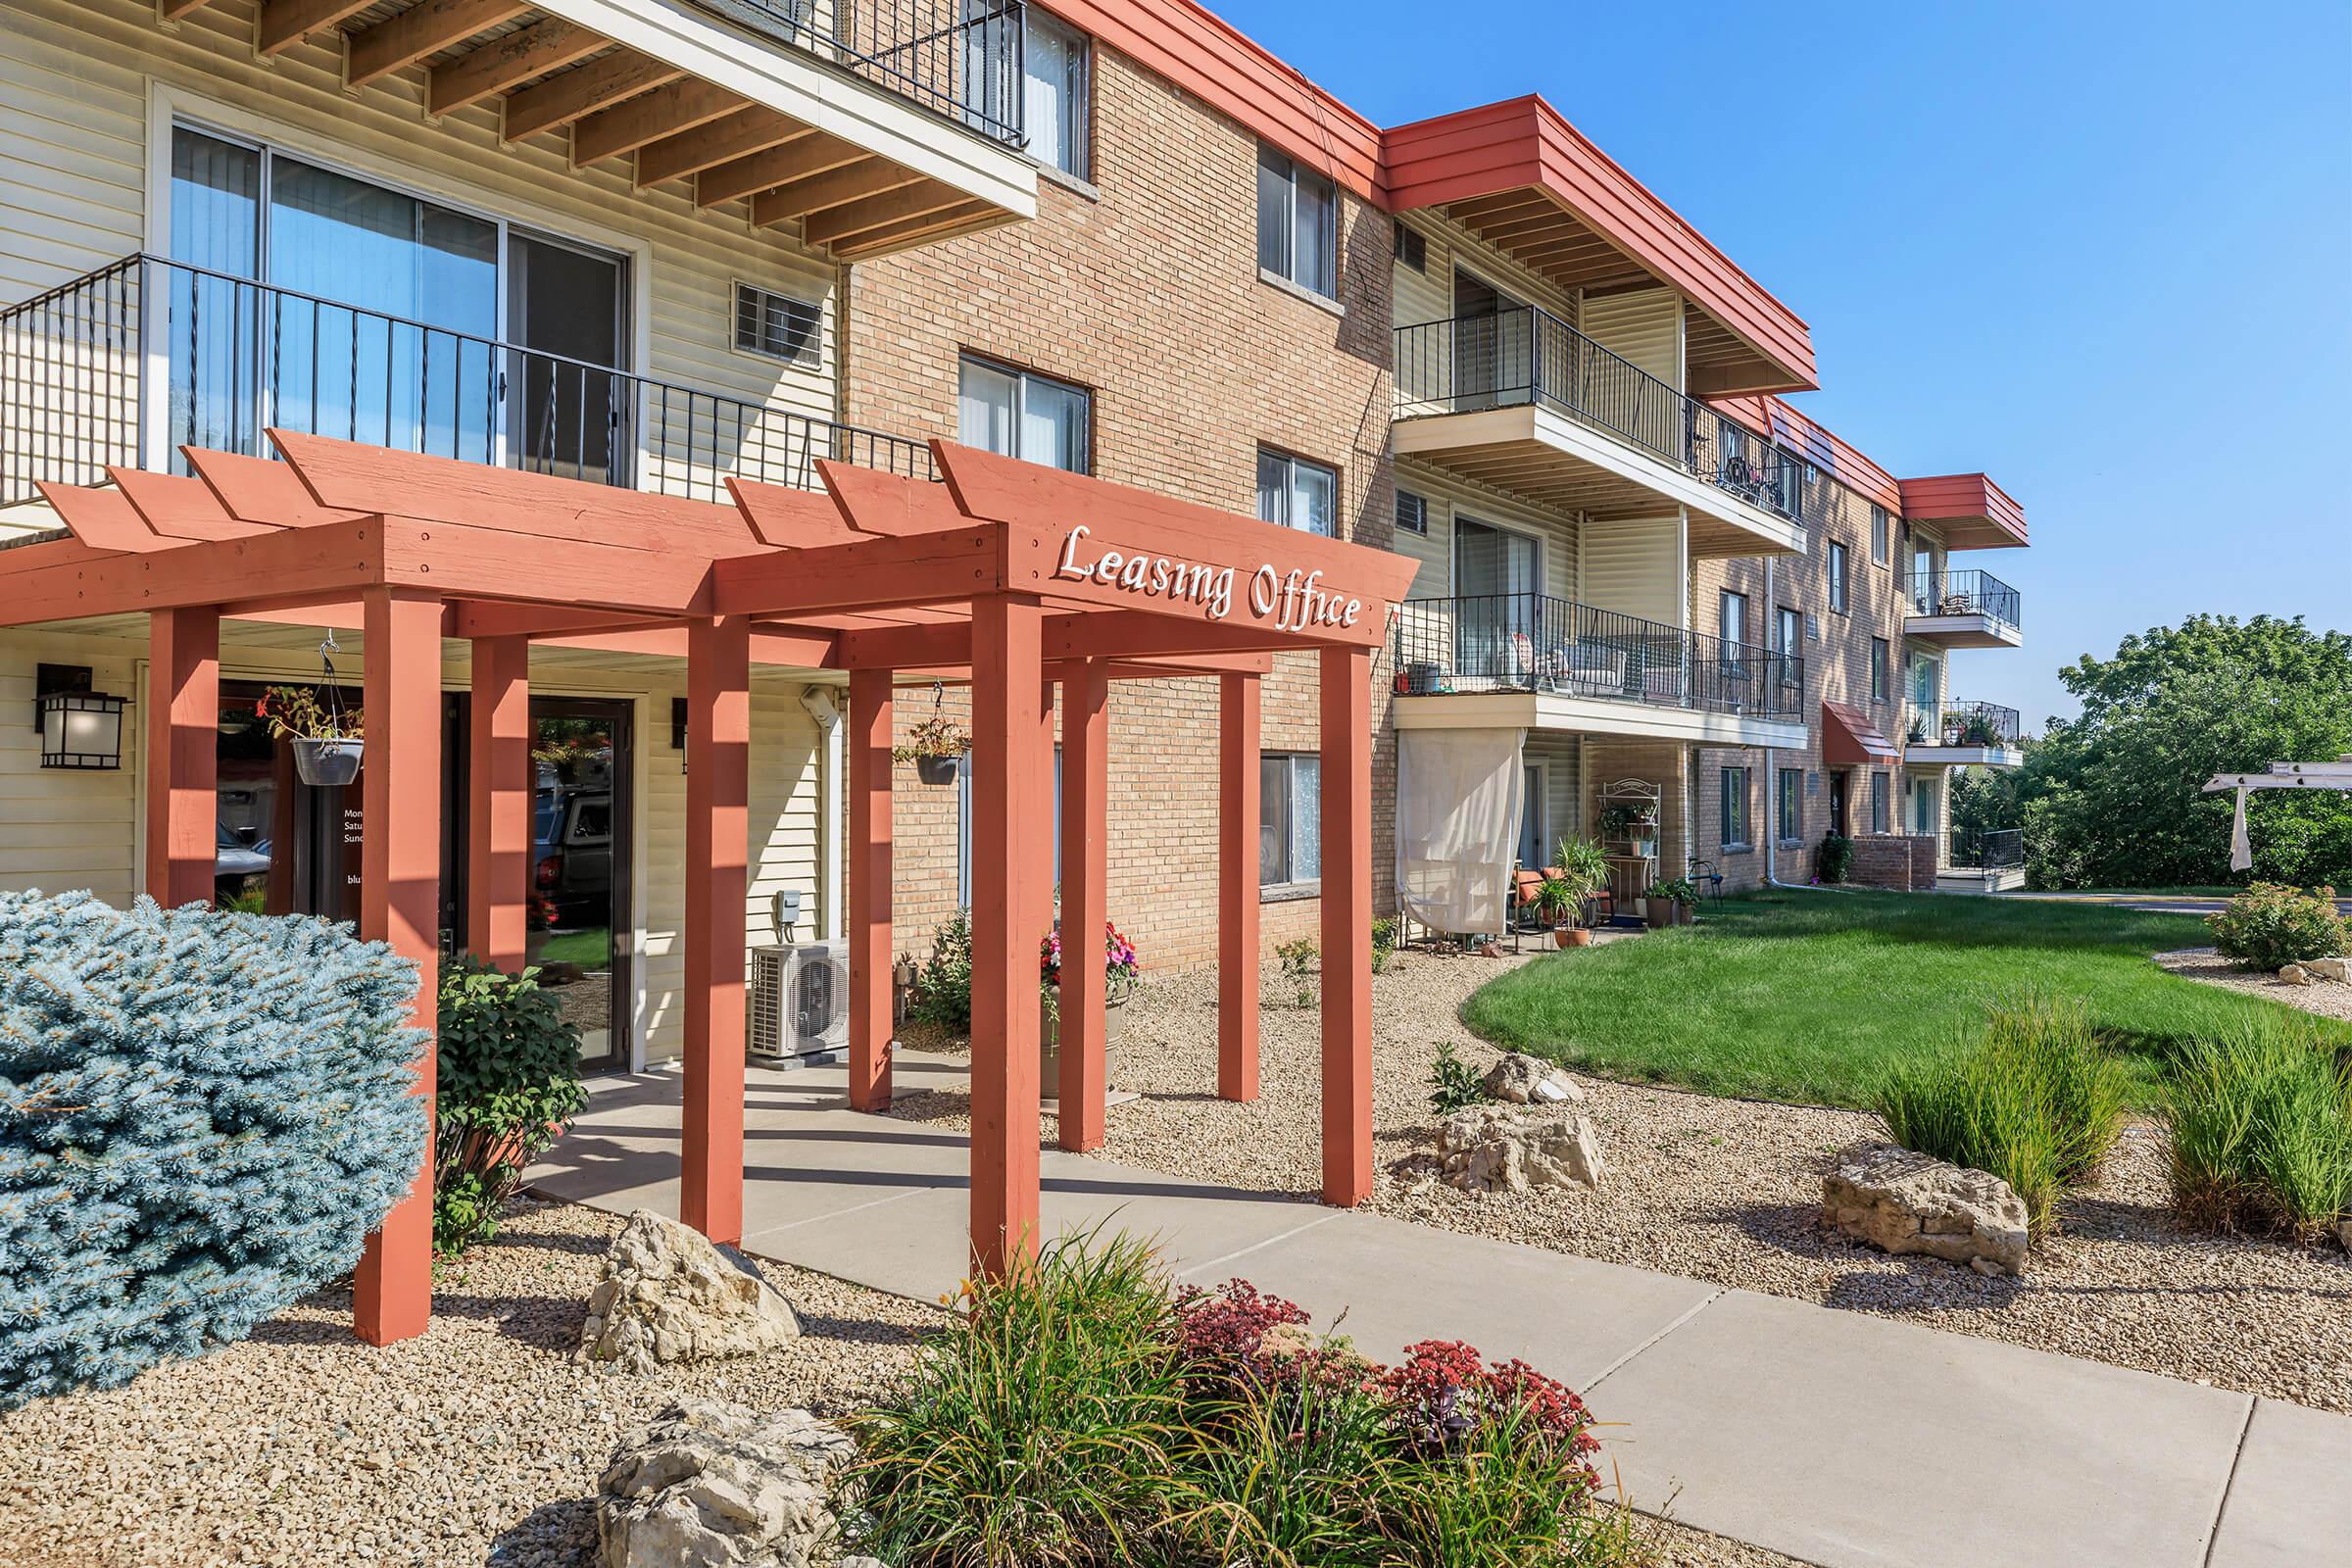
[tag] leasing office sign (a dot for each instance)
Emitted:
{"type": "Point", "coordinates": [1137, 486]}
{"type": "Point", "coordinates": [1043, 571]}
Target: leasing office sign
{"type": "Point", "coordinates": [1292, 601]}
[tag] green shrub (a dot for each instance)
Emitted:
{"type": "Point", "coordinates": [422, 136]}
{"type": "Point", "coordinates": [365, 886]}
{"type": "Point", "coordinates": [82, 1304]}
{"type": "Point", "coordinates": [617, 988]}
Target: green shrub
{"type": "Point", "coordinates": [943, 987]}
{"type": "Point", "coordinates": [509, 1083]}
{"type": "Point", "coordinates": [1454, 1084]}
{"type": "Point", "coordinates": [2037, 1101]}
{"type": "Point", "coordinates": [2269, 926]}
{"type": "Point", "coordinates": [1384, 943]}
{"type": "Point", "coordinates": [1298, 965]}
{"type": "Point", "coordinates": [2261, 1121]}
{"type": "Point", "coordinates": [1837, 857]}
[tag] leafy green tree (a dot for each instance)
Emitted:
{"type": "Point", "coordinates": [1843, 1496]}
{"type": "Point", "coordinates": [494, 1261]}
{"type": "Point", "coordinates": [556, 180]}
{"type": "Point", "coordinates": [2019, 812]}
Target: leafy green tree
{"type": "Point", "coordinates": [2115, 798]}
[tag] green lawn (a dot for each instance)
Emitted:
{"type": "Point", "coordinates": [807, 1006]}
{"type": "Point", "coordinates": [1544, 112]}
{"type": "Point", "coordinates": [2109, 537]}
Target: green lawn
{"type": "Point", "coordinates": [1813, 997]}
{"type": "Point", "coordinates": [589, 950]}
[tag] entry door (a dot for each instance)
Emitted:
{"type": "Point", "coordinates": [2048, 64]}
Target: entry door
{"type": "Point", "coordinates": [1837, 804]}
{"type": "Point", "coordinates": [570, 410]}
{"type": "Point", "coordinates": [581, 829]}
{"type": "Point", "coordinates": [1498, 604]}
{"type": "Point", "coordinates": [1490, 345]}
{"type": "Point", "coordinates": [1533, 856]}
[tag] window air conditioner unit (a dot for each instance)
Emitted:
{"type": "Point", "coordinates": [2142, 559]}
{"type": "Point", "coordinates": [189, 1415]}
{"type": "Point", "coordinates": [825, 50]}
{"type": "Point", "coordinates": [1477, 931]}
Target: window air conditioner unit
{"type": "Point", "coordinates": [800, 1002]}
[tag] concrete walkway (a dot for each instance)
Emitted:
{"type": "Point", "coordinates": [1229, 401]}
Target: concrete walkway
{"type": "Point", "coordinates": [1839, 1437]}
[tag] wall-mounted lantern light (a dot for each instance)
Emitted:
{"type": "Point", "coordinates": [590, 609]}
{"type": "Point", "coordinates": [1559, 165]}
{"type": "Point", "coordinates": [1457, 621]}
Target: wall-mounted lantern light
{"type": "Point", "coordinates": [79, 727]}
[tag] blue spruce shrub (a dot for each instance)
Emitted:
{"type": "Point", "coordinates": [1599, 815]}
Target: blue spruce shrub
{"type": "Point", "coordinates": [202, 1115]}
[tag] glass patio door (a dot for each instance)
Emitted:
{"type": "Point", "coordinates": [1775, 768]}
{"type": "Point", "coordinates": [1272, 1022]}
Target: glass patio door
{"type": "Point", "coordinates": [581, 827]}
{"type": "Point", "coordinates": [572, 414]}
{"type": "Point", "coordinates": [1497, 606]}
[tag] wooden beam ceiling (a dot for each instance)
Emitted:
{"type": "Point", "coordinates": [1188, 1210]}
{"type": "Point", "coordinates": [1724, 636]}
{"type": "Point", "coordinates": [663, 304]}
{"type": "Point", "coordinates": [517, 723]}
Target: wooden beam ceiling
{"type": "Point", "coordinates": [737, 135]}
{"type": "Point", "coordinates": [583, 90]}
{"type": "Point", "coordinates": [931, 226]}
{"type": "Point", "coordinates": [876, 212]}
{"type": "Point", "coordinates": [283, 23]}
{"type": "Point", "coordinates": [664, 111]}
{"type": "Point", "coordinates": [506, 62]}
{"type": "Point", "coordinates": [420, 31]}
{"type": "Point", "coordinates": [764, 171]}
{"type": "Point", "coordinates": [874, 176]}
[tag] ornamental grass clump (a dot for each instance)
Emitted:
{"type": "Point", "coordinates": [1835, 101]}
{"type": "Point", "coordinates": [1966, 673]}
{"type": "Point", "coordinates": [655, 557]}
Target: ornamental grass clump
{"type": "Point", "coordinates": [2261, 1118]}
{"type": "Point", "coordinates": [202, 1115]}
{"type": "Point", "coordinates": [2036, 1100]}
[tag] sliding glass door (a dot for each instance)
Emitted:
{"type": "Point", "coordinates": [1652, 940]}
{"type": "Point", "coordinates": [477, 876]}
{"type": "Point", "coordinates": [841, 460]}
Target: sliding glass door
{"type": "Point", "coordinates": [1498, 610]}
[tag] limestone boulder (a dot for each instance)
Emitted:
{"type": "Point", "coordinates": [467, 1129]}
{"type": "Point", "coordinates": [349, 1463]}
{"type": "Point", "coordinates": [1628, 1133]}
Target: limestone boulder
{"type": "Point", "coordinates": [2296, 974]}
{"type": "Point", "coordinates": [1901, 1202]}
{"type": "Point", "coordinates": [2338, 970]}
{"type": "Point", "coordinates": [711, 1485]}
{"type": "Point", "coordinates": [1511, 1149]}
{"type": "Point", "coordinates": [1520, 1079]}
{"type": "Point", "coordinates": [668, 1295]}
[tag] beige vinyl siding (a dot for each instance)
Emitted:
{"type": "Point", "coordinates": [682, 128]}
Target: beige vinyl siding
{"type": "Point", "coordinates": [1634, 567]}
{"type": "Point", "coordinates": [1449, 494]}
{"type": "Point", "coordinates": [1558, 753]}
{"type": "Point", "coordinates": [66, 828]}
{"type": "Point", "coordinates": [75, 111]}
{"type": "Point", "coordinates": [1428, 296]}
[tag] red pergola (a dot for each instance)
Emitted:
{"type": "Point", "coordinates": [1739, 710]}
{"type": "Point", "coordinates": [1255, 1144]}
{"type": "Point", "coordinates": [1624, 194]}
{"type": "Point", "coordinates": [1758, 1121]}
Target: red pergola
{"type": "Point", "coordinates": [1020, 576]}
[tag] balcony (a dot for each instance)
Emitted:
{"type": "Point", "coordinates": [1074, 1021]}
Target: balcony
{"type": "Point", "coordinates": [1964, 735]}
{"type": "Point", "coordinates": [1970, 609]}
{"type": "Point", "coordinates": [123, 366]}
{"type": "Point", "coordinates": [1532, 660]}
{"type": "Point", "coordinates": [1522, 400]}
{"type": "Point", "coordinates": [962, 61]}
{"type": "Point", "coordinates": [1987, 861]}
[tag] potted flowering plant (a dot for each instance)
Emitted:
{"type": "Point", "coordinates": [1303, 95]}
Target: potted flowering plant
{"type": "Point", "coordinates": [326, 736]}
{"type": "Point", "coordinates": [1584, 871]}
{"type": "Point", "coordinates": [936, 746]}
{"type": "Point", "coordinates": [1120, 971]}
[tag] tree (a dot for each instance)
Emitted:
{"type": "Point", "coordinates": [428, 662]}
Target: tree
{"type": "Point", "coordinates": [2115, 798]}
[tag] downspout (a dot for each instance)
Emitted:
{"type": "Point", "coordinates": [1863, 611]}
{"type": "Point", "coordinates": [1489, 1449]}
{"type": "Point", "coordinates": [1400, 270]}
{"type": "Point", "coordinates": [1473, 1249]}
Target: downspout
{"type": "Point", "coordinates": [824, 707]}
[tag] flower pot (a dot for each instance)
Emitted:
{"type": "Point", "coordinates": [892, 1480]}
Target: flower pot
{"type": "Point", "coordinates": [1574, 936]}
{"type": "Point", "coordinates": [330, 763]}
{"type": "Point", "coordinates": [1646, 847]}
{"type": "Point", "coordinates": [937, 769]}
{"type": "Point", "coordinates": [1048, 1040]}
{"type": "Point", "coordinates": [1682, 913]}
{"type": "Point", "coordinates": [1657, 914]}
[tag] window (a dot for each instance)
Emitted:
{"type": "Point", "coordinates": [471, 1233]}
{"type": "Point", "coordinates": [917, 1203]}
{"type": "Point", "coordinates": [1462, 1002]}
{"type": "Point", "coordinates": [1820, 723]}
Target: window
{"type": "Point", "coordinates": [1789, 481]}
{"type": "Point", "coordinates": [1882, 535]}
{"type": "Point", "coordinates": [1297, 225]}
{"type": "Point", "coordinates": [1412, 247]}
{"type": "Point", "coordinates": [1053, 93]}
{"type": "Point", "coordinates": [1877, 670]}
{"type": "Point", "coordinates": [1735, 808]}
{"type": "Point", "coordinates": [1878, 803]}
{"type": "Point", "coordinates": [1289, 820]}
{"type": "Point", "coordinates": [1922, 808]}
{"type": "Point", "coordinates": [964, 827]}
{"type": "Point", "coordinates": [1731, 626]}
{"type": "Point", "coordinates": [1789, 806]}
{"type": "Point", "coordinates": [1788, 632]}
{"type": "Point", "coordinates": [1297, 494]}
{"type": "Point", "coordinates": [1836, 560]}
{"type": "Point", "coordinates": [1022, 416]}
{"type": "Point", "coordinates": [777, 324]}
{"type": "Point", "coordinates": [1412, 512]}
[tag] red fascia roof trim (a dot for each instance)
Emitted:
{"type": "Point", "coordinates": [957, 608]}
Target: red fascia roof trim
{"type": "Point", "coordinates": [1771, 417]}
{"type": "Point", "coordinates": [1524, 142]}
{"type": "Point", "coordinates": [1963, 497]}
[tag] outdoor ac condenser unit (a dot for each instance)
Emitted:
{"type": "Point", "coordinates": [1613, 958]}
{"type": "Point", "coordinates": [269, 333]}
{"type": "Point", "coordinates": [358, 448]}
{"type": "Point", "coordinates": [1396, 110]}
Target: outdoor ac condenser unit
{"type": "Point", "coordinates": [800, 1002]}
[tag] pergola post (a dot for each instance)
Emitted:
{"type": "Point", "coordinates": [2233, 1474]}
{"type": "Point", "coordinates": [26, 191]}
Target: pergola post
{"type": "Point", "coordinates": [399, 904]}
{"type": "Point", "coordinates": [1238, 828]}
{"type": "Point", "coordinates": [718, 712]}
{"type": "Point", "coordinates": [869, 740]}
{"type": "Point", "coordinates": [1084, 900]}
{"type": "Point", "coordinates": [1012, 893]}
{"type": "Point", "coordinates": [1346, 764]}
{"type": "Point", "coordinates": [499, 791]}
{"type": "Point", "coordinates": [183, 738]}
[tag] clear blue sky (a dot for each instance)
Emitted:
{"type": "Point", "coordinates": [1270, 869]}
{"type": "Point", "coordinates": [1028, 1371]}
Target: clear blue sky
{"type": "Point", "coordinates": [2100, 252]}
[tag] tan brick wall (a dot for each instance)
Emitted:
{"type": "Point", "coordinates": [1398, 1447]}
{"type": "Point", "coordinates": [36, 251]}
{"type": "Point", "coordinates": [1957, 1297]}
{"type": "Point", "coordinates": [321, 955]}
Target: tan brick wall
{"type": "Point", "coordinates": [1149, 297]}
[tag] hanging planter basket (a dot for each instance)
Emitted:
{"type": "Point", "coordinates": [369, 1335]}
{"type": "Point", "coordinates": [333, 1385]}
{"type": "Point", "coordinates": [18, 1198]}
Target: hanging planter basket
{"type": "Point", "coordinates": [938, 769]}
{"type": "Point", "coordinates": [331, 764]}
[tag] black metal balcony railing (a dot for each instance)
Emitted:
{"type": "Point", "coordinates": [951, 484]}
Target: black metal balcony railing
{"type": "Point", "coordinates": [1534, 642]}
{"type": "Point", "coordinates": [958, 58]}
{"type": "Point", "coordinates": [1986, 724]}
{"type": "Point", "coordinates": [128, 364]}
{"type": "Point", "coordinates": [1988, 849]}
{"type": "Point", "coordinates": [1525, 355]}
{"type": "Point", "coordinates": [1969, 592]}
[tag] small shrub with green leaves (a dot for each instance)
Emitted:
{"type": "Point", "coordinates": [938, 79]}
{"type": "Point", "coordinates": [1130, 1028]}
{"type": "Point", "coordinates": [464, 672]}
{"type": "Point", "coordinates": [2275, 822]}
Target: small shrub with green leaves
{"type": "Point", "coordinates": [2261, 1120]}
{"type": "Point", "coordinates": [508, 1084]}
{"type": "Point", "coordinates": [943, 987]}
{"type": "Point", "coordinates": [1384, 943]}
{"type": "Point", "coordinates": [1298, 962]}
{"type": "Point", "coordinates": [2269, 926]}
{"type": "Point", "coordinates": [2037, 1101]}
{"type": "Point", "coordinates": [1454, 1084]}
{"type": "Point", "coordinates": [1837, 857]}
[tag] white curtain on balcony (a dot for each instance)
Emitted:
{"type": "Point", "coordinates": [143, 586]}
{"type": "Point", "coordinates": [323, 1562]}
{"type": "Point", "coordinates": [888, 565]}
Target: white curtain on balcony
{"type": "Point", "coordinates": [1459, 794]}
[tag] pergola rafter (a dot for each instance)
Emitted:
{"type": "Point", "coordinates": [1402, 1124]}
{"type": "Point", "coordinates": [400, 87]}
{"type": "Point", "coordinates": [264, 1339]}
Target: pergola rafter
{"type": "Point", "coordinates": [1017, 578]}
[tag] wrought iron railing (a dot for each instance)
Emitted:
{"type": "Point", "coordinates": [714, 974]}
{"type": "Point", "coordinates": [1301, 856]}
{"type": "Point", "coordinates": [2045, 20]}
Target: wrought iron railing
{"type": "Point", "coordinates": [1986, 724]}
{"type": "Point", "coordinates": [1988, 849]}
{"type": "Point", "coordinates": [957, 57]}
{"type": "Point", "coordinates": [1534, 642]}
{"type": "Point", "coordinates": [1525, 355]}
{"type": "Point", "coordinates": [125, 365]}
{"type": "Point", "coordinates": [1970, 592]}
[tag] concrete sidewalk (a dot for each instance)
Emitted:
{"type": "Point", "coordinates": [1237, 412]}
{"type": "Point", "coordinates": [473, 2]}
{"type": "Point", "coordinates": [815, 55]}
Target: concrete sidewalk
{"type": "Point", "coordinates": [1834, 1436]}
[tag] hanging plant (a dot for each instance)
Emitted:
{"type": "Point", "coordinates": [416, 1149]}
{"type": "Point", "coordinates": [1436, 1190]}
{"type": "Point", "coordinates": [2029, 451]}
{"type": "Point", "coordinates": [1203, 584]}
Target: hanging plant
{"type": "Point", "coordinates": [935, 745]}
{"type": "Point", "coordinates": [324, 734]}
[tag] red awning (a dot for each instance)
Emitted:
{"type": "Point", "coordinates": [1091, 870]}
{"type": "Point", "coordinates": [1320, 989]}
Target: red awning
{"type": "Point", "coordinates": [1848, 739]}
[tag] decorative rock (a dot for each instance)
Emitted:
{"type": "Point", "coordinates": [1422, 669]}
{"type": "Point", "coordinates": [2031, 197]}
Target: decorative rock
{"type": "Point", "coordinates": [2295, 974]}
{"type": "Point", "coordinates": [1905, 1202]}
{"type": "Point", "coordinates": [667, 1294]}
{"type": "Point", "coordinates": [1520, 1079]}
{"type": "Point", "coordinates": [1489, 1149]}
{"type": "Point", "coordinates": [718, 1485]}
{"type": "Point", "coordinates": [2338, 970]}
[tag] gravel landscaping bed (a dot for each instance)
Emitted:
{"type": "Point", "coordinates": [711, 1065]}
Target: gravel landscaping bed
{"type": "Point", "coordinates": [1728, 1190]}
{"type": "Point", "coordinates": [479, 1442]}
{"type": "Point", "coordinates": [2327, 998]}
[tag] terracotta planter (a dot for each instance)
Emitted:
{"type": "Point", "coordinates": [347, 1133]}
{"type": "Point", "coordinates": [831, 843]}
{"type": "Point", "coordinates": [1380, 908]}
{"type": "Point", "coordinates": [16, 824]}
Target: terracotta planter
{"type": "Point", "coordinates": [937, 769]}
{"type": "Point", "coordinates": [329, 763]}
{"type": "Point", "coordinates": [1573, 936]}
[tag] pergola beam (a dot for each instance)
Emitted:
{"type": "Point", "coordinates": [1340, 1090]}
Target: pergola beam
{"type": "Point", "coordinates": [869, 740]}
